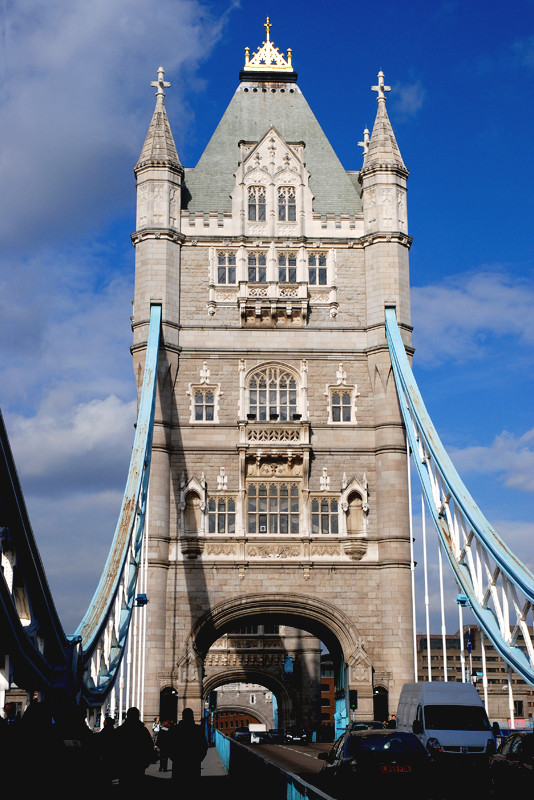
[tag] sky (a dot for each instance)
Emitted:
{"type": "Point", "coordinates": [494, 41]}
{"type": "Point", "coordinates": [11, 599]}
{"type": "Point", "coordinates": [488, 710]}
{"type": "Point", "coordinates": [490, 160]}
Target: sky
{"type": "Point", "coordinates": [75, 105]}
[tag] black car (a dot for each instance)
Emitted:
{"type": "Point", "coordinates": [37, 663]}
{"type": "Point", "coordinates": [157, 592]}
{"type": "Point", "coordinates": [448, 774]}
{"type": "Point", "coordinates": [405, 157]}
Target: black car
{"type": "Point", "coordinates": [296, 736]}
{"type": "Point", "coordinates": [241, 735]}
{"type": "Point", "coordinates": [275, 736]}
{"type": "Point", "coordinates": [511, 768]}
{"type": "Point", "coordinates": [362, 725]}
{"type": "Point", "coordinates": [379, 762]}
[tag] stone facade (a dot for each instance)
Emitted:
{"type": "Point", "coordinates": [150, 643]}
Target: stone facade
{"type": "Point", "coordinates": [278, 487]}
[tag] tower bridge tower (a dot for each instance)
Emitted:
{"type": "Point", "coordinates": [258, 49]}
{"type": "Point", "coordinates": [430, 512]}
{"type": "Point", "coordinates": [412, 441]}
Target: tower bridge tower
{"type": "Point", "coordinates": [278, 491]}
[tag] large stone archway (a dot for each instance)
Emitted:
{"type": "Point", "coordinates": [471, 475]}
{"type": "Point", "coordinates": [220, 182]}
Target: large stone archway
{"type": "Point", "coordinates": [352, 665]}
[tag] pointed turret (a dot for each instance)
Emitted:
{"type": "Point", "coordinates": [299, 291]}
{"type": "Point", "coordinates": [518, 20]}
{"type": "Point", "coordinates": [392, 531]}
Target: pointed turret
{"type": "Point", "coordinates": [157, 239]}
{"type": "Point", "coordinates": [383, 180]}
{"type": "Point", "coordinates": [159, 148]}
{"type": "Point", "coordinates": [383, 147]}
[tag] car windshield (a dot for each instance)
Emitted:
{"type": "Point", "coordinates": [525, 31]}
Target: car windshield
{"type": "Point", "coordinates": [456, 718]}
{"type": "Point", "coordinates": [395, 743]}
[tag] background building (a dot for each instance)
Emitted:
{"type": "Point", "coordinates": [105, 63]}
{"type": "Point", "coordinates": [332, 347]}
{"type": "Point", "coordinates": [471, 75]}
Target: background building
{"type": "Point", "coordinates": [470, 663]}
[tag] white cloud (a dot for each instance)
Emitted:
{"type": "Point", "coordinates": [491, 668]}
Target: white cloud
{"type": "Point", "coordinates": [509, 457]}
{"type": "Point", "coordinates": [452, 319]}
{"type": "Point", "coordinates": [73, 117]}
{"type": "Point", "coordinates": [409, 98]}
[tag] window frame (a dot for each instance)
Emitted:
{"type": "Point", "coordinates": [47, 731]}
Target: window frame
{"type": "Point", "coordinates": [220, 517]}
{"type": "Point", "coordinates": [320, 516]}
{"type": "Point", "coordinates": [287, 210]}
{"type": "Point", "coordinates": [317, 272]}
{"type": "Point", "coordinates": [256, 210]}
{"type": "Point", "coordinates": [272, 506]}
{"type": "Point", "coordinates": [273, 400]}
{"type": "Point", "coordinates": [287, 271]}
{"type": "Point", "coordinates": [226, 265]}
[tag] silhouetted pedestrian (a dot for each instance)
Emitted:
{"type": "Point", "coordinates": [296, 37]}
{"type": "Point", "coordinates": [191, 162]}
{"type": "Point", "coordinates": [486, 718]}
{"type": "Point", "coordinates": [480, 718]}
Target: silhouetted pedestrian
{"type": "Point", "coordinates": [135, 751]}
{"type": "Point", "coordinates": [186, 746]}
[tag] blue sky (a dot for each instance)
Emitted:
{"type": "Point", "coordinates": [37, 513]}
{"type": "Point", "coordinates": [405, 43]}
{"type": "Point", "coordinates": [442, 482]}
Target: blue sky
{"type": "Point", "coordinates": [75, 105]}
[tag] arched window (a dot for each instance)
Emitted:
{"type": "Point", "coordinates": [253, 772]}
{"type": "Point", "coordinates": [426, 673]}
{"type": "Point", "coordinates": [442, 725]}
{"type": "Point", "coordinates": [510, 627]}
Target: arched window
{"type": "Point", "coordinates": [204, 405]}
{"type": "Point", "coordinates": [226, 262]}
{"type": "Point", "coordinates": [257, 267]}
{"type": "Point", "coordinates": [341, 406]}
{"type": "Point", "coordinates": [221, 515]}
{"type": "Point", "coordinates": [325, 515]}
{"type": "Point", "coordinates": [287, 204]}
{"type": "Point", "coordinates": [273, 508]}
{"type": "Point", "coordinates": [287, 267]}
{"type": "Point", "coordinates": [273, 394]}
{"type": "Point", "coordinates": [256, 203]}
{"type": "Point", "coordinates": [317, 271]}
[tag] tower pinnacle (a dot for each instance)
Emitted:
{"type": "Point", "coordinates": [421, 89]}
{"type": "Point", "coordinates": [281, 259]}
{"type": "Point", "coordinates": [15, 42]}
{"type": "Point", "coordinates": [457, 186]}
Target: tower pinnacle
{"type": "Point", "coordinates": [381, 88]}
{"type": "Point", "coordinates": [268, 57]}
{"type": "Point", "coordinates": [160, 84]}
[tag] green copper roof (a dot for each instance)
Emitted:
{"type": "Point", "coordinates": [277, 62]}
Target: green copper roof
{"type": "Point", "coordinates": [251, 112]}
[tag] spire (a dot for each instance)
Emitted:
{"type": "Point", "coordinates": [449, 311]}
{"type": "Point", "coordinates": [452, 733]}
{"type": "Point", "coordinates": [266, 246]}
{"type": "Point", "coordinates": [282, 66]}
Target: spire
{"type": "Point", "coordinates": [268, 58]}
{"type": "Point", "coordinates": [382, 147]}
{"type": "Point", "coordinates": [159, 147]}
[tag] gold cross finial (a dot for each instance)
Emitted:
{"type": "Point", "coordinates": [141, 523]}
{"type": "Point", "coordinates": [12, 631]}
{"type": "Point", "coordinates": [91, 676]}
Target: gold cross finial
{"type": "Point", "coordinates": [268, 58]}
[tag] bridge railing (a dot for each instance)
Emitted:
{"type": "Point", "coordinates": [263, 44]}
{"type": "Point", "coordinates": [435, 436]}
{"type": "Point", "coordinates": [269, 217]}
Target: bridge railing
{"type": "Point", "coordinates": [498, 587]}
{"type": "Point", "coordinates": [264, 779]}
{"type": "Point", "coordinates": [103, 632]}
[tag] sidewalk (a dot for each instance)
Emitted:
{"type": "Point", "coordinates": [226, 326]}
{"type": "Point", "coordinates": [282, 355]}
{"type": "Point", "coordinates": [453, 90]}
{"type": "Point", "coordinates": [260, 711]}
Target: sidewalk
{"type": "Point", "coordinates": [211, 767]}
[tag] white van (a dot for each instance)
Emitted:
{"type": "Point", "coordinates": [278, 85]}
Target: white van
{"type": "Point", "coordinates": [449, 718]}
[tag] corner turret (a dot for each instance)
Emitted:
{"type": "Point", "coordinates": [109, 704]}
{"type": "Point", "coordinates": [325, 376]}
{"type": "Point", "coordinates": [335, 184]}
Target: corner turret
{"type": "Point", "coordinates": [158, 237]}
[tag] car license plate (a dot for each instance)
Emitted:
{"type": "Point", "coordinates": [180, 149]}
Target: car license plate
{"type": "Point", "coordinates": [392, 768]}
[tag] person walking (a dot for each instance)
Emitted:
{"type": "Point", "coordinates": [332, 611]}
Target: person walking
{"type": "Point", "coordinates": [186, 746]}
{"type": "Point", "coordinates": [134, 750]}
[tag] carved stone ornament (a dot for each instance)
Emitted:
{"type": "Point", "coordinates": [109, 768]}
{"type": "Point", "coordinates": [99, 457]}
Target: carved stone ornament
{"type": "Point", "coordinates": [355, 547]}
{"type": "Point", "coordinates": [190, 666]}
{"type": "Point", "coordinates": [191, 546]}
{"type": "Point", "coordinates": [360, 666]}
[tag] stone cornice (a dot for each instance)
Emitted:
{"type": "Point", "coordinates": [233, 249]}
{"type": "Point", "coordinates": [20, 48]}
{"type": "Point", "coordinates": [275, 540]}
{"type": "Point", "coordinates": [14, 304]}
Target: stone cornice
{"type": "Point", "coordinates": [390, 168]}
{"type": "Point", "coordinates": [170, 234]}
{"type": "Point", "coordinates": [397, 237]}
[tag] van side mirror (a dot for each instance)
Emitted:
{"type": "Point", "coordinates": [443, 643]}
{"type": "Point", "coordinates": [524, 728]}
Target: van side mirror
{"type": "Point", "coordinates": [496, 731]}
{"type": "Point", "coordinates": [417, 726]}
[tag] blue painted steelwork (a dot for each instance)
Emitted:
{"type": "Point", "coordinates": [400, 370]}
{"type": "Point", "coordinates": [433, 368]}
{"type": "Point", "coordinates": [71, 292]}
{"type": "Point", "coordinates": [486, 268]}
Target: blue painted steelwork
{"type": "Point", "coordinates": [498, 587]}
{"type": "Point", "coordinates": [104, 629]}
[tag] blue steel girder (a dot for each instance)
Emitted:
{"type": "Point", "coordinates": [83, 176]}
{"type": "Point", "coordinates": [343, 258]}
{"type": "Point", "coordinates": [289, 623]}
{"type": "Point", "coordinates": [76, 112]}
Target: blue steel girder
{"type": "Point", "coordinates": [500, 589]}
{"type": "Point", "coordinates": [103, 632]}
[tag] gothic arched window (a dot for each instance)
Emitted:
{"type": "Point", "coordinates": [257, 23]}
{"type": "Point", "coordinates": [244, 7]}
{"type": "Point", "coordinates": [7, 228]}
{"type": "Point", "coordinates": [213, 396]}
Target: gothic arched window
{"type": "Point", "coordinates": [287, 204]}
{"type": "Point", "coordinates": [273, 394]}
{"type": "Point", "coordinates": [221, 515]}
{"type": "Point", "coordinates": [256, 203]}
{"type": "Point", "coordinates": [341, 406]}
{"type": "Point", "coordinates": [287, 267]}
{"type": "Point", "coordinates": [257, 267]}
{"type": "Point", "coordinates": [226, 262]}
{"type": "Point", "coordinates": [325, 515]}
{"type": "Point", "coordinates": [317, 269]}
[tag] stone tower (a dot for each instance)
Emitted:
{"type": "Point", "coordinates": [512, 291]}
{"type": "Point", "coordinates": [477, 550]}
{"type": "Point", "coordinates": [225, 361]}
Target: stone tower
{"type": "Point", "coordinates": [278, 490]}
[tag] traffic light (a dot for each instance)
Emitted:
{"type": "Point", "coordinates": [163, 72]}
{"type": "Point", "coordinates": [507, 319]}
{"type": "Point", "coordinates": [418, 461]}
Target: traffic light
{"type": "Point", "coordinates": [353, 699]}
{"type": "Point", "coordinates": [212, 702]}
